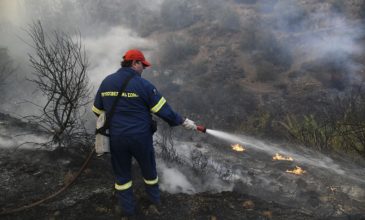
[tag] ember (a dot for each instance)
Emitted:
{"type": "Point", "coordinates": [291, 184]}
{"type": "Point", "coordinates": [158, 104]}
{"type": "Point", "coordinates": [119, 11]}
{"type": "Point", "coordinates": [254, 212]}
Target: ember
{"type": "Point", "coordinates": [296, 171]}
{"type": "Point", "coordinates": [280, 157]}
{"type": "Point", "coordinates": [238, 147]}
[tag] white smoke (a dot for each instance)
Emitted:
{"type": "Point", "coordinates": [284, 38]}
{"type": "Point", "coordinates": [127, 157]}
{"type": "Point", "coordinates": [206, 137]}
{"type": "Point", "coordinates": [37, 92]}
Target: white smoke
{"type": "Point", "coordinates": [173, 181]}
{"type": "Point", "coordinates": [315, 32]}
{"type": "Point", "coordinates": [106, 51]}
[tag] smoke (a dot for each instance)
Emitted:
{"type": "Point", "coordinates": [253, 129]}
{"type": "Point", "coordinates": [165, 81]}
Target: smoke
{"type": "Point", "coordinates": [105, 41]}
{"type": "Point", "coordinates": [320, 34]}
{"type": "Point", "coordinates": [174, 181]}
{"type": "Point", "coordinates": [307, 31]}
{"type": "Point", "coordinates": [17, 135]}
{"type": "Point", "coordinates": [105, 52]}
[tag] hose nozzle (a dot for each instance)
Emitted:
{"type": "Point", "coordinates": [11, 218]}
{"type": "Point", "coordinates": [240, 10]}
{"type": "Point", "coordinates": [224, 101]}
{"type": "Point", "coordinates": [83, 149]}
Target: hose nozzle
{"type": "Point", "coordinates": [201, 128]}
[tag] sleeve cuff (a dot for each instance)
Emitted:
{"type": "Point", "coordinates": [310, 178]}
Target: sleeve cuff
{"type": "Point", "coordinates": [96, 110]}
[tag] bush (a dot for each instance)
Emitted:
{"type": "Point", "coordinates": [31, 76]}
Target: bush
{"type": "Point", "coordinates": [174, 49]}
{"type": "Point", "coordinates": [309, 131]}
{"type": "Point", "coordinates": [339, 125]}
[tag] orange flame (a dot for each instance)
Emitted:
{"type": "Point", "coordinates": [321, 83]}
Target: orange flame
{"type": "Point", "coordinates": [296, 171]}
{"type": "Point", "coordinates": [238, 147]}
{"type": "Point", "coordinates": [281, 157]}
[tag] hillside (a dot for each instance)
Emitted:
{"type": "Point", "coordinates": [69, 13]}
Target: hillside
{"type": "Point", "coordinates": [266, 60]}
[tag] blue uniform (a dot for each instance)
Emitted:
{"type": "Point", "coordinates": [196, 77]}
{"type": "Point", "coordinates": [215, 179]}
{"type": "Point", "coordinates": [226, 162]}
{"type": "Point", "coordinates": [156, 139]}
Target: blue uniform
{"type": "Point", "coordinates": [130, 130]}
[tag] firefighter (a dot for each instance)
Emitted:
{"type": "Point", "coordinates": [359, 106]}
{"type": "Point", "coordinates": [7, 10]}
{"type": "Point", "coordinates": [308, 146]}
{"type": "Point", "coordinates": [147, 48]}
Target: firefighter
{"type": "Point", "coordinates": [132, 127]}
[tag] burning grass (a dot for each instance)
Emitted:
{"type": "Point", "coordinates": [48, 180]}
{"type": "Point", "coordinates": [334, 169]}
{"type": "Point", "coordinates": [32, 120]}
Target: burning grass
{"type": "Point", "coordinates": [281, 157]}
{"type": "Point", "coordinates": [297, 171]}
{"type": "Point", "coordinates": [237, 147]}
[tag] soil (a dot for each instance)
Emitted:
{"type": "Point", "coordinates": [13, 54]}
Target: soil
{"type": "Point", "coordinates": [29, 175]}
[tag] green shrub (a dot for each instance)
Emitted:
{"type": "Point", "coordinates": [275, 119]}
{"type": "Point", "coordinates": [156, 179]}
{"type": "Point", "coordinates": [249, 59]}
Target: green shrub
{"type": "Point", "coordinates": [309, 131]}
{"type": "Point", "coordinates": [339, 127]}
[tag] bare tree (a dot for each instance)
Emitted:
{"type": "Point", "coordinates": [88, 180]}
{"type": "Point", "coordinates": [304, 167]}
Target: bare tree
{"type": "Point", "coordinates": [60, 66]}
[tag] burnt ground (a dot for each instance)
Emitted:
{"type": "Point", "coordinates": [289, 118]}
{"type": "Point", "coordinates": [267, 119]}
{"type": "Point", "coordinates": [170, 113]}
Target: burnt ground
{"type": "Point", "coordinates": [27, 176]}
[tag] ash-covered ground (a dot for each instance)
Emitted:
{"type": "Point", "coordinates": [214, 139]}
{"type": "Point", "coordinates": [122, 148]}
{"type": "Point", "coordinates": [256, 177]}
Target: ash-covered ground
{"type": "Point", "coordinates": [328, 187]}
{"type": "Point", "coordinates": [203, 181]}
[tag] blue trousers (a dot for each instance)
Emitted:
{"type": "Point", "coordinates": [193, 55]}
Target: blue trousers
{"type": "Point", "coordinates": [122, 149]}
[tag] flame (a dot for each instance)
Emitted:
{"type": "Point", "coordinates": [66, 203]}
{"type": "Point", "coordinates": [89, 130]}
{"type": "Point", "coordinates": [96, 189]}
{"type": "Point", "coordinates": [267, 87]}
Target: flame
{"type": "Point", "coordinates": [281, 157]}
{"type": "Point", "coordinates": [296, 171]}
{"type": "Point", "coordinates": [238, 147]}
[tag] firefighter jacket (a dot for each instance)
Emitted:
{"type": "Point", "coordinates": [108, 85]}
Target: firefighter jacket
{"type": "Point", "coordinates": [133, 110]}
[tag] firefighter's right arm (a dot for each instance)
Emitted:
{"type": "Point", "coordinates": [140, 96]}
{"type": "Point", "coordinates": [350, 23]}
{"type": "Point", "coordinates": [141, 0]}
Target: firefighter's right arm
{"type": "Point", "coordinates": [159, 106]}
{"type": "Point", "coordinates": [98, 104]}
{"type": "Point", "coordinates": [189, 124]}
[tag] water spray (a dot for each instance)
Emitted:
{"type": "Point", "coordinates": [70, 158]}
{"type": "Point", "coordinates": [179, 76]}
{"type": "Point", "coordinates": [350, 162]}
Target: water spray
{"type": "Point", "coordinates": [271, 149]}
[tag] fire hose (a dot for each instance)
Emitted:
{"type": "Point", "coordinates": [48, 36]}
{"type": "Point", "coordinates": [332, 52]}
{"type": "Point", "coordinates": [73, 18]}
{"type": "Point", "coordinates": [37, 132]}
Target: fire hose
{"type": "Point", "coordinates": [86, 162]}
{"type": "Point", "coordinates": [31, 205]}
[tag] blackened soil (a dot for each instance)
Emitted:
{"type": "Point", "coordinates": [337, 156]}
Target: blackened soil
{"type": "Point", "coordinates": [27, 176]}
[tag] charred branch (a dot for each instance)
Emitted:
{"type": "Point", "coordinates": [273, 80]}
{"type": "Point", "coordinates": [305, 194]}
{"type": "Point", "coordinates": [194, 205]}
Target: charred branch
{"type": "Point", "coordinates": [60, 66]}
